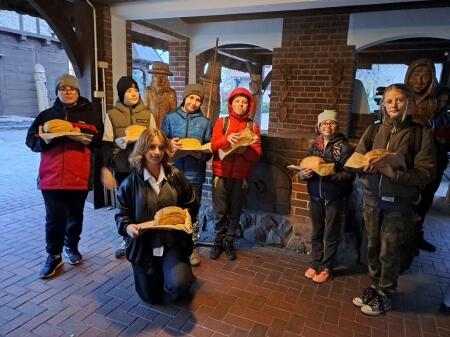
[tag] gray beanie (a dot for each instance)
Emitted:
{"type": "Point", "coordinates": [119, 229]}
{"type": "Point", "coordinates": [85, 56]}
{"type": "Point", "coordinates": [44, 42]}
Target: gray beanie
{"type": "Point", "coordinates": [67, 80]}
{"type": "Point", "coordinates": [326, 115]}
{"type": "Point", "coordinates": [194, 89]}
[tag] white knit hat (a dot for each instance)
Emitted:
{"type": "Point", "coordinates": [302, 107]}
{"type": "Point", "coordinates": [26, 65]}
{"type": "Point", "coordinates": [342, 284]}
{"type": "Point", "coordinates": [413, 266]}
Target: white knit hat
{"type": "Point", "coordinates": [327, 115]}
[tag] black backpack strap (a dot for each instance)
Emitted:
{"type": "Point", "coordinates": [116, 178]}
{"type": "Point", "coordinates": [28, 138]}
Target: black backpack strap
{"type": "Point", "coordinates": [415, 139]}
{"type": "Point", "coordinates": [250, 124]}
{"type": "Point", "coordinates": [226, 124]}
{"type": "Point", "coordinates": [373, 130]}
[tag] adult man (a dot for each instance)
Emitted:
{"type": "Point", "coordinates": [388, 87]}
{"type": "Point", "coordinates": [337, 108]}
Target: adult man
{"type": "Point", "coordinates": [159, 97]}
{"type": "Point", "coordinates": [66, 170]}
{"type": "Point", "coordinates": [420, 78]}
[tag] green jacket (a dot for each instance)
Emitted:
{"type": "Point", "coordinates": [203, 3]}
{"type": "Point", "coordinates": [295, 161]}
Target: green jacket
{"type": "Point", "coordinates": [401, 192]}
{"type": "Point", "coordinates": [120, 117]}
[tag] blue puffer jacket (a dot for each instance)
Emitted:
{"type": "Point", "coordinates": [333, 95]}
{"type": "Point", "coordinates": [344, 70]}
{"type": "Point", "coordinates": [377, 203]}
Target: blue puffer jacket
{"type": "Point", "coordinates": [179, 124]}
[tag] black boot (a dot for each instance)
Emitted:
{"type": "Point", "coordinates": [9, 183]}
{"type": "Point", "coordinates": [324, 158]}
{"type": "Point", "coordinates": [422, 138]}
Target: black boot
{"type": "Point", "coordinates": [230, 251]}
{"type": "Point", "coordinates": [424, 244]}
{"type": "Point", "coordinates": [216, 250]}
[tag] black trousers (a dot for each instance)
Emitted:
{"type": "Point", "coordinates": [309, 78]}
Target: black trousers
{"type": "Point", "coordinates": [427, 196]}
{"type": "Point", "coordinates": [228, 196]}
{"type": "Point", "coordinates": [171, 277]}
{"type": "Point", "coordinates": [326, 231]}
{"type": "Point", "coordinates": [64, 219]}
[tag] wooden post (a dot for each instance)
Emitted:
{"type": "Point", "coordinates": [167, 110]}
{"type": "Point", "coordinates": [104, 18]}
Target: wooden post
{"type": "Point", "coordinates": [212, 79]}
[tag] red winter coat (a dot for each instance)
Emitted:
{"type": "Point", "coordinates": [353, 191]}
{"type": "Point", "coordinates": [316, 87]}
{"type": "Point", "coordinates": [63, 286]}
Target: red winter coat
{"type": "Point", "coordinates": [66, 164]}
{"type": "Point", "coordinates": [239, 165]}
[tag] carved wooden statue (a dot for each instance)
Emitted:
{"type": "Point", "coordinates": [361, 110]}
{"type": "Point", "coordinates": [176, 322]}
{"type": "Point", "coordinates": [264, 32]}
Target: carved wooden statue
{"type": "Point", "coordinates": [421, 79]}
{"type": "Point", "coordinates": [255, 87]}
{"type": "Point", "coordinates": [205, 80]}
{"type": "Point", "coordinates": [160, 98]}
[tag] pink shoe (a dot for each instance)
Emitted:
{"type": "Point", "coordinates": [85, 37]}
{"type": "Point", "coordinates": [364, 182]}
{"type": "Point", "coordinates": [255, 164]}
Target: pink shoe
{"type": "Point", "coordinates": [310, 273]}
{"type": "Point", "coordinates": [323, 277]}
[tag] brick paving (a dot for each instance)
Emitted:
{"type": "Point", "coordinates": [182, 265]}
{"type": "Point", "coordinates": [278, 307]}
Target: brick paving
{"type": "Point", "coordinates": [263, 293]}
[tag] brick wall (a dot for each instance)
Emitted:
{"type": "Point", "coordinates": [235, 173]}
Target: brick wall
{"type": "Point", "coordinates": [179, 66]}
{"type": "Point", "coordinates": [310, 45]}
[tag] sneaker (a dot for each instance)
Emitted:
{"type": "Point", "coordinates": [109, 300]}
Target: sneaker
{"type": "Point", "coordinates": [378, 306]}
{"type": "Point", "coordinates": [52, 263]}
{"type": "Point", "coordinates": [367, 296]}
{"type": "Point", "coordinates": [73, 255]}
{"type": "Point", "coordinates": [310, 273]}
{"type": "Point", "coordinates": [426, 246]}
{"type": "Point", "coordinates": [322, 277]}
{"type": "Point", "coordinates": [215, 251]}
{"type": "Point", "coordinates": [195, 258]}
{"type": "Point", "coordinates": [120, 252]}
{"type": "Point", "coordinates": [230, 251]}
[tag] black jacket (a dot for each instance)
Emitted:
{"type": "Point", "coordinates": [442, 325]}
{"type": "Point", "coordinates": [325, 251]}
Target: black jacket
{"type": "Point", "coordinates": [138, 202]}
{"type": "Point", "coordinates": [338, 185]}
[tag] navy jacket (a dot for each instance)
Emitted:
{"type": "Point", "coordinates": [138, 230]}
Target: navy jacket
{"type": "Point", "coordinates": [340, 184]}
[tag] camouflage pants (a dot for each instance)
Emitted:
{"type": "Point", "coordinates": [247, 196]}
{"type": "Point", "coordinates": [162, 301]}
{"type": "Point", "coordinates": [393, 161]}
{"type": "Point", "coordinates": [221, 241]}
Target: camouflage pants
{"type": "Point", "coordinates": [195, 223]}
{"type": "Point", "coordinates": [390, 237]}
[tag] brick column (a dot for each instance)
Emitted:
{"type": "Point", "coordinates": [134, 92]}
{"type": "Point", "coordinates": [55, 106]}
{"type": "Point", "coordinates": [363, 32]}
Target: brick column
{"type": "Point", "coordinates": [179, 66]}
{"type": "Point", "coordinates": [310, 45]}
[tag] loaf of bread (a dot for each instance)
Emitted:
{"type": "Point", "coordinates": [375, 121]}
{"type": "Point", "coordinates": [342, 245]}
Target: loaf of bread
{"type": "Point", "coordinates": [375, 155]}
{"type": "Point", "coordinates": [133, 132]}
{"type": "Point", "coordinates": [246, 138]}
{"type": "Point", "coordinates": [171, 215]}
{"type": "Point", "coordinates": [318, 165]}
{"type": "Point", "coordinates": [190, 144]}
{"type": "Point", "coordinates": [57, 125]}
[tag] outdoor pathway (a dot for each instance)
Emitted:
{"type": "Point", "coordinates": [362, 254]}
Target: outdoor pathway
{"type": "Point", "coordinates": [263, 293]}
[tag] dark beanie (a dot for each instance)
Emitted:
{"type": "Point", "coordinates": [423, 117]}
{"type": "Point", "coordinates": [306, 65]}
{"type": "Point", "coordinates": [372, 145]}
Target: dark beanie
{"type": "Point", "coordinates": [124, 84]}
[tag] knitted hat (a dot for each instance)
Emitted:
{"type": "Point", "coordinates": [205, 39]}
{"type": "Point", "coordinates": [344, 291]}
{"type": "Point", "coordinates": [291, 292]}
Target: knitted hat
{"type": "Point", "coordinates": [124, 84]}
{"type": "Point", "coordinates": [194, 89]}
{"type": "Point", "coordinates": [327, 115]}
{"type": "Point", "coordinates": [160, 68]}
{"type": "Point", "coordinates": [67, 80]}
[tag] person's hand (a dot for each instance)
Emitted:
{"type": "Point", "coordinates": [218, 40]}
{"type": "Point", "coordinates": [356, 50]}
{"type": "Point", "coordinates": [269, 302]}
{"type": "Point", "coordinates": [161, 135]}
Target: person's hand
{"type": "Point", "coordinates": [255, 138]}
{"type": "Point", "coordinates": [175, 143]}
{"type": "Point", "coordinates": [233, 138]}
{"type": "Point", "coordinates": [386, 170]}
{"type": "Point", "coordinates": [107, 179]}
{"type": "Point", "coordinates": [133, 230]}
{"type": "Point", "coordinates": [307, 173]}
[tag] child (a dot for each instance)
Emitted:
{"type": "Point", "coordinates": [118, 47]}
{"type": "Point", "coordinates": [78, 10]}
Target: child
{"type": "Point", "coordinates": [160, 258]}
{"type": "Point", "coordinates": [128, 110]}
{"type": "Point", "coordinates": [231, 173]}
{"type": "Point", "coordinates": [189, 122]}
{"type": "Point", "coordinates": [391, 195]}
{"type": "Point", "coordinates": [327, 195]}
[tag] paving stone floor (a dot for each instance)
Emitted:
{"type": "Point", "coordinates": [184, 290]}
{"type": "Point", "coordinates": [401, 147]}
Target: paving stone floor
{"type": "Point", "coordinates": [263, 293]}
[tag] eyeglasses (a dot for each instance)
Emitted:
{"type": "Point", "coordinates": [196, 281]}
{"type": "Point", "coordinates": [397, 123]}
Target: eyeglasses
{"type": "Point", "coordinates": [67, 89]}
{"type": "Point", "coordinates": [332, 123]}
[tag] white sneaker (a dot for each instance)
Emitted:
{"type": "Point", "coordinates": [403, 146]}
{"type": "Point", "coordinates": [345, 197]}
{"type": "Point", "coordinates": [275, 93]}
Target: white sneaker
{"type": "Point", "coordinates": [378, 306]}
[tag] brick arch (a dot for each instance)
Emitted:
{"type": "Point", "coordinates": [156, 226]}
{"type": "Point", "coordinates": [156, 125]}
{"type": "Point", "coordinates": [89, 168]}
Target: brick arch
{"type": "Point", "coordinates": [395, 37]}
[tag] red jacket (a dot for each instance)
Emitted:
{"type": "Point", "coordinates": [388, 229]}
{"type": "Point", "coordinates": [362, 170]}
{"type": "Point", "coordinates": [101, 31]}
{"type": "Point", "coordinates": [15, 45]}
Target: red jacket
{"type": "Point", "coordinates": [66, 164]}
{"type": "Point", "coordinates": [239, 165]}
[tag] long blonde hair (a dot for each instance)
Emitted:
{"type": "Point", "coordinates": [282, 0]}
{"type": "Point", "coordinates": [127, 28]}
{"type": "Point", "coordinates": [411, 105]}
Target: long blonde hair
{"type": "Point", "coordinates": [142, 146]}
